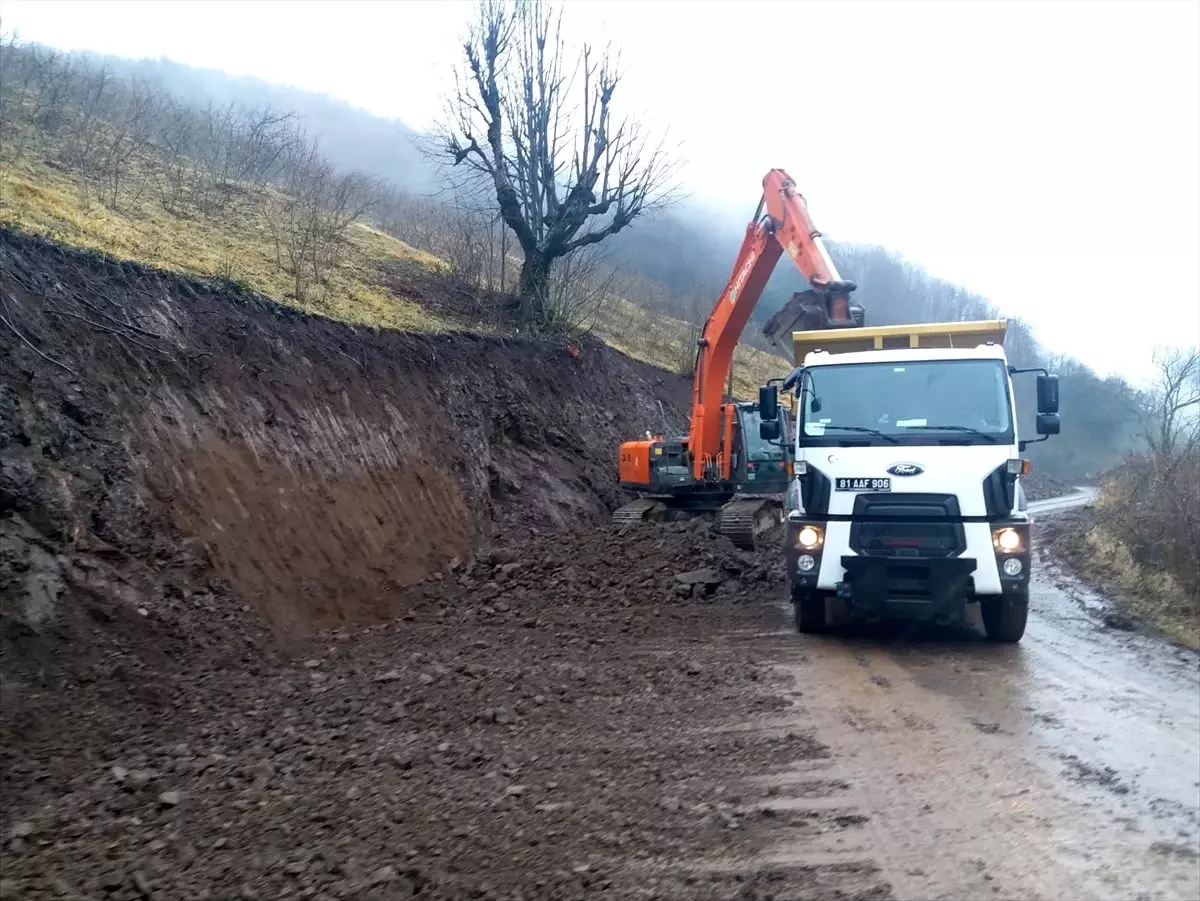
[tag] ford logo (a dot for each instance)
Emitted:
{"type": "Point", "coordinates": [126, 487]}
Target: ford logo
{"type": "Point", "coordinates": [906, 469]}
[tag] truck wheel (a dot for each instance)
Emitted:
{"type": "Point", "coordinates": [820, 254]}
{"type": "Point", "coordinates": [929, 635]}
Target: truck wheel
{"type": "Point", "coordinates": [1004, 617]}
{"type": "Point", "coordinates": [810, 611]}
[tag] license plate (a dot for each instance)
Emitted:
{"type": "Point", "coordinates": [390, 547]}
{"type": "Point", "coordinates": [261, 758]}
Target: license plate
{"type": "Point", "coordinates": [850, 484]}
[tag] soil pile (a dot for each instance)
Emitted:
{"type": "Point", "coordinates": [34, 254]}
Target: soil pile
{"type": "Point", "coordinates": [1040, 486]}
{"type": "Point", "coordinates": [652, 564]}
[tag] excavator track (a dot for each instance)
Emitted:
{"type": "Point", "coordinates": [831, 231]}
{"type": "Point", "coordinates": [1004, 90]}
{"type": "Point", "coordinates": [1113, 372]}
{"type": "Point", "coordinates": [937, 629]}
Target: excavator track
{"type": "Point", "coordinates": [743, 520]}
{"type": "Point", "coordinates": [634, 511]}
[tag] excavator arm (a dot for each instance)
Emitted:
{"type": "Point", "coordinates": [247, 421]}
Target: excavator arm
{"type": "Point", "coordinates": [780, 225]}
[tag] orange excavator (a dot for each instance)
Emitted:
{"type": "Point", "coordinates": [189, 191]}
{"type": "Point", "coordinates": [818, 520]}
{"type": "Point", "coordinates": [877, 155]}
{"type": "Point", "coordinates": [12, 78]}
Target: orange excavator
{"type": "Point", "coordinates": [734, 462]}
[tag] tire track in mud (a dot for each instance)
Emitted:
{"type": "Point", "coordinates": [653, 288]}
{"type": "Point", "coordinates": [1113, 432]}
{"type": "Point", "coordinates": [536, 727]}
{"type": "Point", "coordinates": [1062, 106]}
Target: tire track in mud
{"type": "Point", "coordinates": [797, 831]}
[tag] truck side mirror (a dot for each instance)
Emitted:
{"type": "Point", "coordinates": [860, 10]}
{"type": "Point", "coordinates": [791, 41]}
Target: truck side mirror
{"type": "Point", "coordinates": [1049, 423]}
{"type": "Point", "coordinates": [1047, 394]}
{"type": "Point", "coordinates": [769, 431]}
{"type": "Point", "coordinates": [768, 403]}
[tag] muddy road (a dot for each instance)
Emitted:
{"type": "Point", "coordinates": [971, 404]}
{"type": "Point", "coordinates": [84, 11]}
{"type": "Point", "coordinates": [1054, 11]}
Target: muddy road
{"type": "Point", "coordinates": [1065, 767]}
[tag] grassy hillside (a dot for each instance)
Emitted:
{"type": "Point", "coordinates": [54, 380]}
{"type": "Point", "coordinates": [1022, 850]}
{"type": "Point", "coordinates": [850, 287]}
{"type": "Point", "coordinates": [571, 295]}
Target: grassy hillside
{"type": "Point", "coordinates": [237, 245]}
{"type": "Point", "coordinates": [139, 162]}
{"type": "Point", "coordinates": [48, 199]}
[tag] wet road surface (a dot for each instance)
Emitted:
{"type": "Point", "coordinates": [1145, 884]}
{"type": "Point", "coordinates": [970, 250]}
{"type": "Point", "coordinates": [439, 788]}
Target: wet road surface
{"type": "Point", "coordinates": [1065, 767]}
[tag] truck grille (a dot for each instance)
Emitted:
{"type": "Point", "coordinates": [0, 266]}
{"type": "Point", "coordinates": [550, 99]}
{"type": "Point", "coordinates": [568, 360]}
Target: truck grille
{"type": "Point", "coordinates": [909, 525]}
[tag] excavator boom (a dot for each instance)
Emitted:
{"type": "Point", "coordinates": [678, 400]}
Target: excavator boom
{"type": "Point", "coordinates": [699, 473]}
{"type": "Point", "coordinates": [781, 224]}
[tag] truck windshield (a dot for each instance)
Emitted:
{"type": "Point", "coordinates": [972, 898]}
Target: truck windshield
{"type": "Point", "coordinates": [920, 402]}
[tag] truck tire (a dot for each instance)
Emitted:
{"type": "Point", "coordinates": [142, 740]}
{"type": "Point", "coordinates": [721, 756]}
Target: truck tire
{"type": "Point", "coordinates": [1004, 617]}
{"type": "Point", "coordinates": [810, 611]}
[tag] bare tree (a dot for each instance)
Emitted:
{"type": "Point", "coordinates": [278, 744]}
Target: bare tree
{"type": "Point", "coordinates": [346, 198]}
{"type": "Point", "coordinates": [259, 139]}
{"type": "Point", "coordinates": [559, 186]}
{"type": "Point", "coordinates": [695, 307]}
{"type": "Point", "coordinates": [292, 214]}
{"type": "Point", "coordinates": [1169, 422]}
{"type": "Point", "coordinates": [14, 80]}
{"type": "Point", "coordinates": [579, 289]}
{"type": "Point", "coordinates": [56, 75]}
{"type": "Point", "coordinates": [210, 155]}
{"type": "Point", "coordinates": [176, 139]}
{"type": "Point", "coordinates": [85, 132]}
{"type": "Point", "coordinates": [415, 220]}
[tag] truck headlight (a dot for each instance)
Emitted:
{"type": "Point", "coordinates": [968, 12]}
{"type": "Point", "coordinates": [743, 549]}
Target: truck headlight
{"type": "Point", "coordinates": [1008, 540]}
{"type": "Point", "coordinates": [1012, 567]}
{"type": "Point", "coordinates": [806, 563]}
{"type": "Point", "coordinates": [808, 538]}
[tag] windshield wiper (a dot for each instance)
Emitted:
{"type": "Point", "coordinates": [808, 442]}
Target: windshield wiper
{"type": "Point", "coordinates": [858, 428]}
{"type": "Point", "coordinates": [954, 428]}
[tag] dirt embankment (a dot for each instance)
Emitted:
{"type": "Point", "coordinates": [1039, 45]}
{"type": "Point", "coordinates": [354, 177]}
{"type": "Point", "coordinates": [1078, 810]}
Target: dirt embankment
{"type": "Point", "coordinates": [316, 469]}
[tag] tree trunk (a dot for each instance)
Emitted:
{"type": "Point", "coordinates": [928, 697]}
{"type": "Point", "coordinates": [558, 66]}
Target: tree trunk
{"type": "Point", "coordinates": [503, 258]}
{"type": "Point", "coordinates": [534, 287]}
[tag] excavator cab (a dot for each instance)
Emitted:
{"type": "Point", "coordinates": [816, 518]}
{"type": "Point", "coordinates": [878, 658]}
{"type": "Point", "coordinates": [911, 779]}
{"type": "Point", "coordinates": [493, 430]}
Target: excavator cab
{"type": "Point", "coordinates": [760, 464]}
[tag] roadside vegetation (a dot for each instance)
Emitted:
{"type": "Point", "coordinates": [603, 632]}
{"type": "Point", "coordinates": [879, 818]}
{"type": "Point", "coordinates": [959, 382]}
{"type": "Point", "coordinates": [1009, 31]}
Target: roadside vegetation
{"type": "Point", "coordinates": [1142, 538]}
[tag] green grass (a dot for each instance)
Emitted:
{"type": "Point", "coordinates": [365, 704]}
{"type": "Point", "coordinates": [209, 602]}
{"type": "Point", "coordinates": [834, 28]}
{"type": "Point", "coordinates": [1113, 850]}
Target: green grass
{"type": "Point", "coordinates": [46, 199]}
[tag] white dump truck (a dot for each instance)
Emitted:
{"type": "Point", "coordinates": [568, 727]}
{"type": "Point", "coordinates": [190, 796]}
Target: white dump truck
{"type": "Point", "coordinates": [905, 499]}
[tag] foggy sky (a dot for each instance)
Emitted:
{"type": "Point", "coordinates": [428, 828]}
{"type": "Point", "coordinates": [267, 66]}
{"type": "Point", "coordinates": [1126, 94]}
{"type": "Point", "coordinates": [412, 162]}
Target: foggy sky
{"type": "Point", "coordinates": [1046, 155]}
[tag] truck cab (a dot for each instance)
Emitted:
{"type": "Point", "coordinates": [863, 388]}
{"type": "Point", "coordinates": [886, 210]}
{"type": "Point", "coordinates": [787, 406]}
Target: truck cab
{"type": "Point", "coordinates": [906, 499]}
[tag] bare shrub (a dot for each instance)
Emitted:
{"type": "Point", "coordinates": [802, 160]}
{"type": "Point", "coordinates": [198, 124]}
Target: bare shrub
{"type": "Point", "coordinates": [1161, 494]}
{"type": "Point", "coordinates": [580, 288]}
{"type": "Point", "coordinates": [1151, 504]}
{"type": "Point", "coordinates": [310, 218]}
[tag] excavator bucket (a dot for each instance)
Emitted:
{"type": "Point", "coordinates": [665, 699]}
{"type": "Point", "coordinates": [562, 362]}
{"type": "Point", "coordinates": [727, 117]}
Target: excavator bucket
{"type": "Point", "coordinates": [807, 311]}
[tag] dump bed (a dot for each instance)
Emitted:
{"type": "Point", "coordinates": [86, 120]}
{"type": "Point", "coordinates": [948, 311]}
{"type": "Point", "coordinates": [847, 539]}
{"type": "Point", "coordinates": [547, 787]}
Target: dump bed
{"type": "Point", "coordinates": [897, 337]}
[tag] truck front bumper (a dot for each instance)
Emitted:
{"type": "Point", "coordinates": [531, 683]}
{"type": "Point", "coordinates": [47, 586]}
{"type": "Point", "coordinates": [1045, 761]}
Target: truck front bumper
{"type": "Point", "coordinates": [906, 587]}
